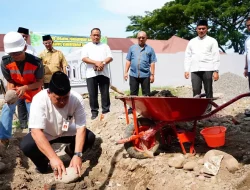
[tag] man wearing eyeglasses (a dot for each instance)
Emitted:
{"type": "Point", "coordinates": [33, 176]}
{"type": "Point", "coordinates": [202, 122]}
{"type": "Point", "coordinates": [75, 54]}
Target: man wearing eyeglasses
{"type": "Point", "coordinates": [141, 61]}
{"type": "Point", "coordinates": [24, 73]}
{"type": "Point", "coordinates": [202, 59]}
{"type": "Point", "coordinates": [53, 60]}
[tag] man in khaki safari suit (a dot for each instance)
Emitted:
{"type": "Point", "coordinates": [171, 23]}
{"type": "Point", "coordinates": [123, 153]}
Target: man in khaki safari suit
{"type": "Point", "coordinates": [53, 60]}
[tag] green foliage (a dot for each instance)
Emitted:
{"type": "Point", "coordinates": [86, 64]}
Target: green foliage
{"type": "Point", "coordinates": [16, 124]}
{"type": "Point", "coordinates": [226, 21]}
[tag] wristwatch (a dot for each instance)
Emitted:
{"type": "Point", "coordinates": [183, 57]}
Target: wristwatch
{"type": "Point", "coordinates": [103, 62]}
{"type": "Point", "coordinates": [79, 154]}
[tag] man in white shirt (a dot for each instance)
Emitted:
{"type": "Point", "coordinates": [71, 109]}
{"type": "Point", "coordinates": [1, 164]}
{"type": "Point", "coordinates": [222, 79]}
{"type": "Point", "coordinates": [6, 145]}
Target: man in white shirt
{"type": "Point", "coordinates": [202, 59]}
{"type": "Point", "coordinates": [247, 62]}
{"type": "Point", "coordinates": [57, 115]}
{"type": "Point", "coordinates": [247, 52]}
{"type": "Point", "coordinates": [97, 56]}
{"type": "Point", "coordinates": [21, 107]}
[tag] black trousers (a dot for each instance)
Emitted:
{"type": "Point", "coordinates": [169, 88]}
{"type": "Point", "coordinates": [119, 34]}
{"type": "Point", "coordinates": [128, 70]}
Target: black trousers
{"type": "Point", "coordinates": [134, 84]}
{"type": "Point", "coordinates": [92, 84]}
{"type": "Point", "coordinates": [30, 149]}
{"type": "Point", "coordinates": [205, 77]}
{"type": "Point", "coordinates": [22, 114]}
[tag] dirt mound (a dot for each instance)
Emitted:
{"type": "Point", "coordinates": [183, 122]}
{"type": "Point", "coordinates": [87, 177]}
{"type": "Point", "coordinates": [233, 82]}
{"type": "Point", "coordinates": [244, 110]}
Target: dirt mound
{"type": "Point", "coordinates": [108, 165]}
{"type": "Point", "coordinates": [162, 93]}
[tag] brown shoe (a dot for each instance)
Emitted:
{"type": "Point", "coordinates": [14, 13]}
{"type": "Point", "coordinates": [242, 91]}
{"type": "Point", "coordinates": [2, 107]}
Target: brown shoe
{"type": "Point", "coordinates": [104, 116]}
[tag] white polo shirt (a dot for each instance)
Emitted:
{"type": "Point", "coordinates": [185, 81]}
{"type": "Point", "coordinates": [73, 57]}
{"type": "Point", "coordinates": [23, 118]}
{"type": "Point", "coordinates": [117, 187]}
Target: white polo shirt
{"type": "Point", "coordinates": [44, 115]}
{"type": "Point", "coordinates": [202, 54]}
{"type": "Point", "coordinates": [96, 52]}
{"type": "Point", "coordinates": [247, 51]}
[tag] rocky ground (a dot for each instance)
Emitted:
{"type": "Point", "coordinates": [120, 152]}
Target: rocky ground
{"type": "Point", "coordinates": [108, 165]}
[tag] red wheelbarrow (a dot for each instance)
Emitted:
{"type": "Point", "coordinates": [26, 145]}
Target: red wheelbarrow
{"type": "Point", "coordinates": [160, 114]}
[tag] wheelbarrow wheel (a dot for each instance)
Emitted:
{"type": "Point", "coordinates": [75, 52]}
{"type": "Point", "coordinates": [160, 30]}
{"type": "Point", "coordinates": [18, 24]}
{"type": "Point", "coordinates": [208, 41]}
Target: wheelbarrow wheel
{"type": "Point", "coordinates": [135, 150]}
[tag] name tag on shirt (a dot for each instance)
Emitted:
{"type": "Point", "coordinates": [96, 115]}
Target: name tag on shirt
{"type": "Point", "coordinates": [65, 126]}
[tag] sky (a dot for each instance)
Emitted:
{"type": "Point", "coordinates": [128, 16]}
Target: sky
{"type": "Point", "coordinates": [75, 17]}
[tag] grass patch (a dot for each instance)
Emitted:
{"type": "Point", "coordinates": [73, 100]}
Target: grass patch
{"type": "Point", "coordinates": [16, 124]}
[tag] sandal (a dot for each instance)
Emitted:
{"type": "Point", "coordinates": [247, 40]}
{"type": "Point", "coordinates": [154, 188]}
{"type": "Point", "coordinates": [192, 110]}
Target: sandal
{"type": "Point", "coordinates": [247, 112]}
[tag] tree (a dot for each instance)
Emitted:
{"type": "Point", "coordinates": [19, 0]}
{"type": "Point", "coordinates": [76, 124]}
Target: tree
{"type": "Point", "coordinates": [226, 19]}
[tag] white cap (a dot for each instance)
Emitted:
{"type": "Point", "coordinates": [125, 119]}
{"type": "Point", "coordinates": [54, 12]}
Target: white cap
{"type": "Point", "coordinates": [13, 42]}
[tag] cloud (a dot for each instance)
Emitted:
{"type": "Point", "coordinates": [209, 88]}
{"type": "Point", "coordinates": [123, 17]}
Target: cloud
{"type": "Point", "coordinates": [131, 7]}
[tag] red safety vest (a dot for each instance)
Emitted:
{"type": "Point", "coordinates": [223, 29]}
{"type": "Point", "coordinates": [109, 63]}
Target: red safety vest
{"type": "Point", "coordinates": [28, 77]}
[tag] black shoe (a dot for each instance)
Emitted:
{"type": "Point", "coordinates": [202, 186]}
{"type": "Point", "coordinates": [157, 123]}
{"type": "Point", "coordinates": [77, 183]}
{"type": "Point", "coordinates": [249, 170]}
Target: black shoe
{"type": "Point", "coordinates": [24, 126]}
{"type": "Point", "coordinates": [209, 109]}
{"type": "Point", "coordinates": [247, 112]}
{"type": "Point", "coordinates": [38, 171]}
{"type": "Point", "coordinates": [130, 111]}
{"type": "Point", "coordinates": [93, 117]}
{"type": "Point", "coordinates": [43, 170]}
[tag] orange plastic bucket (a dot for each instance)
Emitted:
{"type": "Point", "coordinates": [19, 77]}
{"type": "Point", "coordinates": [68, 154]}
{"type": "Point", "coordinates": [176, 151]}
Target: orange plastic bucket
{"type": "Point", "coordinates": [214, 136]}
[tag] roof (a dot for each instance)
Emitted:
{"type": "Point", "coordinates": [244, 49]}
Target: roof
{"type": "Point", "coordinates": [120, 44]}
{"type": "Point", "coordinates": [173, 45]}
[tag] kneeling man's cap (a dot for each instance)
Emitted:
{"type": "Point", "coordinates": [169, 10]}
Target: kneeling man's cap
{"type": "Point", "coordinates": [202, 23]}
{"type": "Point", "coordinates": [59, 84]}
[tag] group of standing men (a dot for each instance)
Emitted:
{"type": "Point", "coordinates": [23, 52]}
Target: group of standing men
{"type": "Point", "coordinates": [202, 59]}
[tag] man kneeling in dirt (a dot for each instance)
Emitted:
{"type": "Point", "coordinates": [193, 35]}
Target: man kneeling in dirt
{"type": "Point", "coordinates": [57, 115]}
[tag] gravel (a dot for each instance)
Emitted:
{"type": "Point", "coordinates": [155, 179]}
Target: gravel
{"type": "Point", "coordinates": [227, 87]}
{"type": "Point", "coordinates": [231, 85]}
